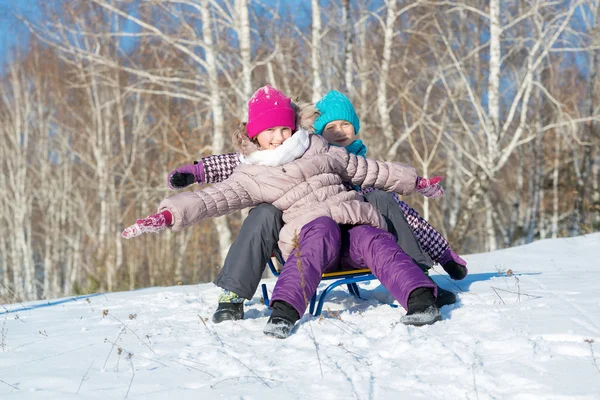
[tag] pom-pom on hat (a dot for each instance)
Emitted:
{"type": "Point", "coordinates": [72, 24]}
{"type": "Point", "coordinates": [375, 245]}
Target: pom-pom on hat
{"type": "Point", "coordinates": [267, 108]}
{"type": "Point", "coordinates": [335, 106]}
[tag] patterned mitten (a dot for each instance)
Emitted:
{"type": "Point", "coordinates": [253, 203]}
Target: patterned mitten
{"type": "Point", "coordinates": [430, 187]}
{"type": "Point", "coordinates": [152, 224]}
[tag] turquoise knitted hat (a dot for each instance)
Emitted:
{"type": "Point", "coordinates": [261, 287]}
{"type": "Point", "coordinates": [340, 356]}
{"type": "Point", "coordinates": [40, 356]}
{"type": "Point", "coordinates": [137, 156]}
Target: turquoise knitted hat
{"type": "Point", "coordinates": [335, 106]}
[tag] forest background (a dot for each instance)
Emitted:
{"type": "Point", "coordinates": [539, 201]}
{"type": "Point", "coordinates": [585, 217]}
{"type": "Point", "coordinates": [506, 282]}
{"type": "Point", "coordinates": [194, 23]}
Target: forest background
{"type": "Point", "coordinates": [100, 99]}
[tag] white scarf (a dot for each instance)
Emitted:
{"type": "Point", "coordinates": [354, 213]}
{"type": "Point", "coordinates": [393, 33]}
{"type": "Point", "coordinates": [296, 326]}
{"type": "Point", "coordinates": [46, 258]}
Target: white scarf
{"type": "Point", "coordinates": [291, 149]}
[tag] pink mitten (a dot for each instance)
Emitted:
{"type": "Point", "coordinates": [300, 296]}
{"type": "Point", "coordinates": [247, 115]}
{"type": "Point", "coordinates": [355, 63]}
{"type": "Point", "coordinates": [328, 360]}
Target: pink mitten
{"type": "Point", "coordinates": [153, 224]}
{"type": "Point", "coordinates": [430, 187]}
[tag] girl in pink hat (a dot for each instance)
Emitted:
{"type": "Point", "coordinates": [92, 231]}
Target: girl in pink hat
{"type": "Point", "coordinates": [246, 260]}
{"type": "Point", "coordinates": [326, 226]}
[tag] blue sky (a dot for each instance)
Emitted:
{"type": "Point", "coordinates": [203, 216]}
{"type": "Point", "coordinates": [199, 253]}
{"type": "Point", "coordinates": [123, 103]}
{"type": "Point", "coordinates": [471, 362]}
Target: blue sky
{"type": "Point", "coordinates": [12, 31]}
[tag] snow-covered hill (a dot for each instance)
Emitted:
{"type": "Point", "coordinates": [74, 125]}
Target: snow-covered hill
{"type": "Point", "coordinates": [527, 326]}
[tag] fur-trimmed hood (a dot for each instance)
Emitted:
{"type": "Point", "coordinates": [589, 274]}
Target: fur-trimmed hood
{"type": "Point", "coordinates": [306, 115]}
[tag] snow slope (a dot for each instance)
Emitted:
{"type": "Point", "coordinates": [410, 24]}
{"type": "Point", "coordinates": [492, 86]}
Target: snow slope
{"type": "Point", "coordinates": [527, 326]}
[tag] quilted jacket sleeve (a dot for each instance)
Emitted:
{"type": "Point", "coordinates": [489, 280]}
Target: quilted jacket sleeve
{"type": "Point", "coordinates": [388, 176]}
{"type": "Point", "coordinates": [189, 208]}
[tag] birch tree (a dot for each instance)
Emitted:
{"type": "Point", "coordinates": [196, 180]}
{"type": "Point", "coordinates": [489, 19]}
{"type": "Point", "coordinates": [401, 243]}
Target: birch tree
{"type": "Point", "coordinates": [218, 143]}
{"type": "Point", "coordinates": [16, 133]}
{"type": "Point", "coordinates": [317, 84]}
{"type": "Point", "coordinates": [348, 30]}
{"type": "Point", "coordinates": [491, 149]}
{"type": "Point", "coordinates": [245, 51]}
{"type": "Point", "coordinates": [386, 58]}
{"type": "Point", "coordinates": [591, 135]}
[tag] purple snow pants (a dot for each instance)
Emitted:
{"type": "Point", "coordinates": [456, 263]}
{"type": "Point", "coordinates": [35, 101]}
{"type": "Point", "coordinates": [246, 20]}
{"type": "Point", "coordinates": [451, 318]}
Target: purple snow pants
{"type": "Point", "coordinates": [324, 247]}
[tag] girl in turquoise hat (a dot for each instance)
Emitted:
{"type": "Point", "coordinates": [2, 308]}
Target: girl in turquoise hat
{"type": "Point", "coordinates": [338, 123]}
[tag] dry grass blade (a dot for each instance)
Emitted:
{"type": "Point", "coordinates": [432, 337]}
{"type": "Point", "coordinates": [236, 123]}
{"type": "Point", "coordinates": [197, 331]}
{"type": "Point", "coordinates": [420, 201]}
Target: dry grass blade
{"type": "Point", "coordinates": [494, 289]}
{"type": "Point", "coordinates": [8, 384]}
{"type": "Point", "coordinates": [113, 346]}
{"type": "Point", "coordinates": [13, 295]}
{"type": "Point", "coordinates": [83, 378]}
{"type": "Point", "coordinates": [130, 356]}
{"type": "Point", "coordinates": [518, 293]}
{"type": "Point", "coordinates": [212, 332]}
{"type": "Point", "coordinates": [589, 342]}
{"type": "Point", "coordinates": [132, 331]}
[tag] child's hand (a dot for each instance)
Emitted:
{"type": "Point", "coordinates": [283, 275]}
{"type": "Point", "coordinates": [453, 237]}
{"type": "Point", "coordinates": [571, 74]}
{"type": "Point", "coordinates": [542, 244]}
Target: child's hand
{"type": "Point", "coordinates": [430, 187]}
{"type": "Point", "coordinates": [186, 175]}
{"type": "Point", "coordinates": [179, 180]}
{"type": "Point", "coordinates": [152, 224]}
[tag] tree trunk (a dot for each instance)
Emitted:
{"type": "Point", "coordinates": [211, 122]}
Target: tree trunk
{"type": "Point", "coordinates": [538, 171]}
{"type": "Point", "coordinates": [4, 294]}
{"type": "Point", "coordinates": [590, 133]}
{"type": "Point", "coordinates": [348, 31]}
{"type": "Point", "coordinates": [317, 86]}
{"type": "Point", "coordinates": [594, 125]}
{"type": "Point", "coordinates": [456, 184]}
{"type": "Point", "coordinates": [218, 142]}
{"type": "Point", "coordinates": [514, 227]}
{"type": "Point", "coordinates": [363, 68]}
{"type": "Point", "coordinates": [596, 192]}
{"type": "Point", "coordinates": [480, 187]}
{"type": "Point", "coordinates": [489, 224]}
{"type": "Point", "coordinates": [245, 52]}
{"type": "Point", "coordinates": [555, 173]}
{"type": "Point", "coordinates": [382, 101]}
{"type": "Point", "coordinates": [494, 78]}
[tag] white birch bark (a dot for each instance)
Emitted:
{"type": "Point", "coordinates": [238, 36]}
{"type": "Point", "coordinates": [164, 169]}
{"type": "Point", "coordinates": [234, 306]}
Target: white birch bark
{"type": "Point", "coordinates": [382, 100]}
{"type": "Point", "coordinates": [537, 175]}
{"type": "Point", "coordinates": [555, 175]}
{"type": "Point", "coordinates": [489, 224]}
{"type": "Point", "coordinates": [245, 52]}
{"type": "Point", "coordinates": [363, 68]}
{"type": "Point", "coordinates": [494, 78]}
{"type": "Point", "coordinates": [218, 142]}
{"type": "Point", "coordinates": [17, 132]}
{"type": "Point", "coordinates": [596, 193]}
{"type": "Point", "coordinates": [456, 185]}
{"type": "Point", "coordinates": [4, 294]}
{"type": "Point", "coordinates": [317, 85]}
{"type": "Point", "coordinates": [348, 33]}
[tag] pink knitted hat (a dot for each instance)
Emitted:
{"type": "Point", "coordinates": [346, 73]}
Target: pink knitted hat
{"type": "Point", "coordinates": [267, 108]}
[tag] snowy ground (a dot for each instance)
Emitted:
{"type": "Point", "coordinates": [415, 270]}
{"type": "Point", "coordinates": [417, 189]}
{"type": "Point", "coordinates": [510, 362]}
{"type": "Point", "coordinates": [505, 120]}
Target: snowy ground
{"type": "Point", "coordinates": [527, 326]}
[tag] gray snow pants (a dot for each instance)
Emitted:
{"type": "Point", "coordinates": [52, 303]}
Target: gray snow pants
{"type": "Point", "coordinates": [258, 237]}
{"type": "Point", "coordinates": [249, 253]}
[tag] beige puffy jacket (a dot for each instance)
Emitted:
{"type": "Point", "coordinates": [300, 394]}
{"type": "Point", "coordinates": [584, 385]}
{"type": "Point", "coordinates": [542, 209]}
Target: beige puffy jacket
{"type": "Point", "coordinates": [304, 189]}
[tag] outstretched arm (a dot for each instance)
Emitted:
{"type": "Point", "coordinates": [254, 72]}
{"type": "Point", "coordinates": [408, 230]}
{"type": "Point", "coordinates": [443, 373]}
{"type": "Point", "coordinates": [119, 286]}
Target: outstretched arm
{"type": "Point", "coordinates": [365, 172]}
{"type": "Point", "coordinates": [188, 208]}
{"type": "Point", "coordinates": [389, 176]}
{"type": "Point", "coordinates": [209, 169]}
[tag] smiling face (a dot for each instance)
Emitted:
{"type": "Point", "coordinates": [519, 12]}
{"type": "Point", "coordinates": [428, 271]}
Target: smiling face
{"type": "Point", "coordinates": [339, 133]}
{"type": "Point", "coordinates": [271, 138]}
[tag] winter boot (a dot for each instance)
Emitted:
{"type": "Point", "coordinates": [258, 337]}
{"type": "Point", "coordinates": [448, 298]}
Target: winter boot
{"type": "Point", "coordinates": [231, 308]}
{"type": "Point", "coordinates": [444, 297]}
{"type": "Point", "coordinates": [282, 320]}
{"type": "Point", "coordinates": [454, 266]}
{"type": "Point", "coordinates": [421, 308]}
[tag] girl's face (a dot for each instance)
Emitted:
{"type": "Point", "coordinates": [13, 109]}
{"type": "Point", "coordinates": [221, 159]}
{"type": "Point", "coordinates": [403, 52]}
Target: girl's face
{"type": "Point", "coordinates": [339, 133]}
{"type": "Point", "coordinates": [271, 138]}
